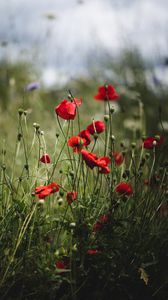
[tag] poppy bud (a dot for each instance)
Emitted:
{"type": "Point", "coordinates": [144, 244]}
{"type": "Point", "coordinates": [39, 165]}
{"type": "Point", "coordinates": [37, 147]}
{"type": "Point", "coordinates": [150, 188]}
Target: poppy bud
{"type": "Point", "coordinates": [106, 118]}
{"type": "Point", "coordinates": [41, 201]}
{"type": "Point", "coordinates": [72, 225]}
{"type": "Point", "coordinates": [19, 136]}
{"type": "Point", "coordinates": [112, 110]}
{"type": "Point", "coordinates": [112, 138]}
{"type": "Point", "coordinates": [4, 167]}
{"type": "Point", "coordinates": [61, 193]}
{"type": "Point", "coordinates": [20, 111]}
{"type": "Point", "coordinates": [36, 126]}
{"type": "Point", "coordinates": [133, 145]}
{"type": "Point", "coordinates": [60, 201]}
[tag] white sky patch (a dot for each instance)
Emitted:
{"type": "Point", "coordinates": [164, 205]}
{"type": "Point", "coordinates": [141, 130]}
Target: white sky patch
{"type": "Point", "coordinates": [81, 30]}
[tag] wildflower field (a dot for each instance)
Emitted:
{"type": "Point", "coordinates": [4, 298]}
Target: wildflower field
{"type": "Point", "coordinates": [83, 200]}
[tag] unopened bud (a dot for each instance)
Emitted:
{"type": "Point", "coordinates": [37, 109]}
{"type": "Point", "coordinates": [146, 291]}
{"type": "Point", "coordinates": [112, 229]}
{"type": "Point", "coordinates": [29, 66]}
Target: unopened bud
{"type": "Point", "coordinates": [26, 167]}
{"type": "Point", "coordinates": [20, 111]}
{"type": "Point", "coordinates": [41, 201]}
{"type": "Point", "coordinates": [113, 138]}
{"type": "Point", "coordinates": [36, 125]}
{"type": "Point", "coordinates": [157, 137]}
{"type": "Point", "coordinates": [61, 193]}
{"type": "Point", "coordinates": [72, 225]}
{"type": "Point", "coordinates": [19, 136]}
{"type": "Point", "coordinates": [60, 201]}
{"type": "Point", "coordinates": [106, 118]}
{"type": "Point", "coordinates": [4, 167]}
{"type": "Point", "coordinates": [133, 145]}
{"type": "Point", "coordinates": [112, 110]}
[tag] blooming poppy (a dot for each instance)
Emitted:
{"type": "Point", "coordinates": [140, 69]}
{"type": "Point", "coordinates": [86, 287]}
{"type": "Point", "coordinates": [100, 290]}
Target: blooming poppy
{"type": "Point", "coordinates": [92, 161]}
{"type": "Point", "coordinates": [67, 110]}
{"type": "Point", "coordinates": [89, 158]}
{"type": "Point", "coordinates": [103, 220]}
{"type": "Point", "coordinates": [60, 264]}
{"type": "Point", "coordinates": [85, 134]}
{"type": "Point", "coordinates": [118, 158]}
{"type": "Point", "coordinates": [106, 93]}
{"type": "Point", "coordinates": [124, 188]}
{"type": "Point", "coordinates": [77, 143]}
{"type": "Point", "coordinates": [46, 190]}
{"type": "Point", "coordinates": [97, 226]}
{"type": "Point", "coordinates": [71, 196]}
{"type": "Point", "coordinates": [151, 142]}
{"type": "Point", "coordinates": [103, 162]}
{"type": "Point", "coordinates": [93, 251]}
{"type": "Point", "coordinates": [45, 159]}
{"type": "Point", "coordinates": [96, 127]}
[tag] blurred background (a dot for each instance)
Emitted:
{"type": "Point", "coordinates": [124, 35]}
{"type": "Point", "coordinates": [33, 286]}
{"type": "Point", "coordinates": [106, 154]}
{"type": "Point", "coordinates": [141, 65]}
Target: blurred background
{"type": "Point", "coordinates": [79, 45]}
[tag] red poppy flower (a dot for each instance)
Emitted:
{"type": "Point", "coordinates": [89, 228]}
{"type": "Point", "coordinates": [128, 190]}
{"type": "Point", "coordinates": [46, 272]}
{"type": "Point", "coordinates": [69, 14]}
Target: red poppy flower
{"type": "Point", "coordinates": [46, 190]}
{"type": "Point", "coordinates": [85, 135]}
{"type": "Point", "coordinates": [71, 196]}
{"type": "Point", "coordinates": [103, 220]}
{"type": "Point", "coordinates": [106, 93]}
{"type": "Point", "coordinates": [97, 127]}
{"type": "Point", "coordinates": [93, 251]}
{"type": "Point", "coordinates": [118, 158]}
{"type": "Point", "coordinates": [97, 226]}
{"type": "Point", "coordinates": [124, 188]}
{"type": "Point", "coordinates": [77, 143]}
{"type": "Point", "coordinates": [151, 142]}
{"type": "Point", "coordinates": [103, 162]}
{"type": "Point", "coordinates": [89, 158]}
{"type": "Point", "coordinates": [45, 159]}
{"type": "Point", "coordinates": [92, 161]}
{"type": "Point", "coordinates": [67, 110]}
{"type": "Point", "coordinates": [60, 265]}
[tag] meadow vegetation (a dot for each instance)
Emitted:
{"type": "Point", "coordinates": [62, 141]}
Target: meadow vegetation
{"type": "Point", "coordinates": [83, 186]}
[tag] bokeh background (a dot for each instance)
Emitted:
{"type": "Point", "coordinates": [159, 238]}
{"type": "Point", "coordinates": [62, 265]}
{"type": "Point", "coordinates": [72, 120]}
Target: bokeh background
{"type": "Point", "coordinates": [79, 45]}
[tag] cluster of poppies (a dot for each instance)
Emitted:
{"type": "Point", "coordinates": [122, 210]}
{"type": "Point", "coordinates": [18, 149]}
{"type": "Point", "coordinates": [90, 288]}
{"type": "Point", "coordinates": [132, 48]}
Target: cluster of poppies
{"type": "Point", "coordinates": [46, 190]}
{"type": "Point", "coordinates": [83, 138]}
{"type": "Point", "coordinates": [67, 110]}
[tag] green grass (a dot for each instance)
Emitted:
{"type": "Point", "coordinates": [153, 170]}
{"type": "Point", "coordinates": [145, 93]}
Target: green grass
{"type": "Point", "coordinates": [35, 235]}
